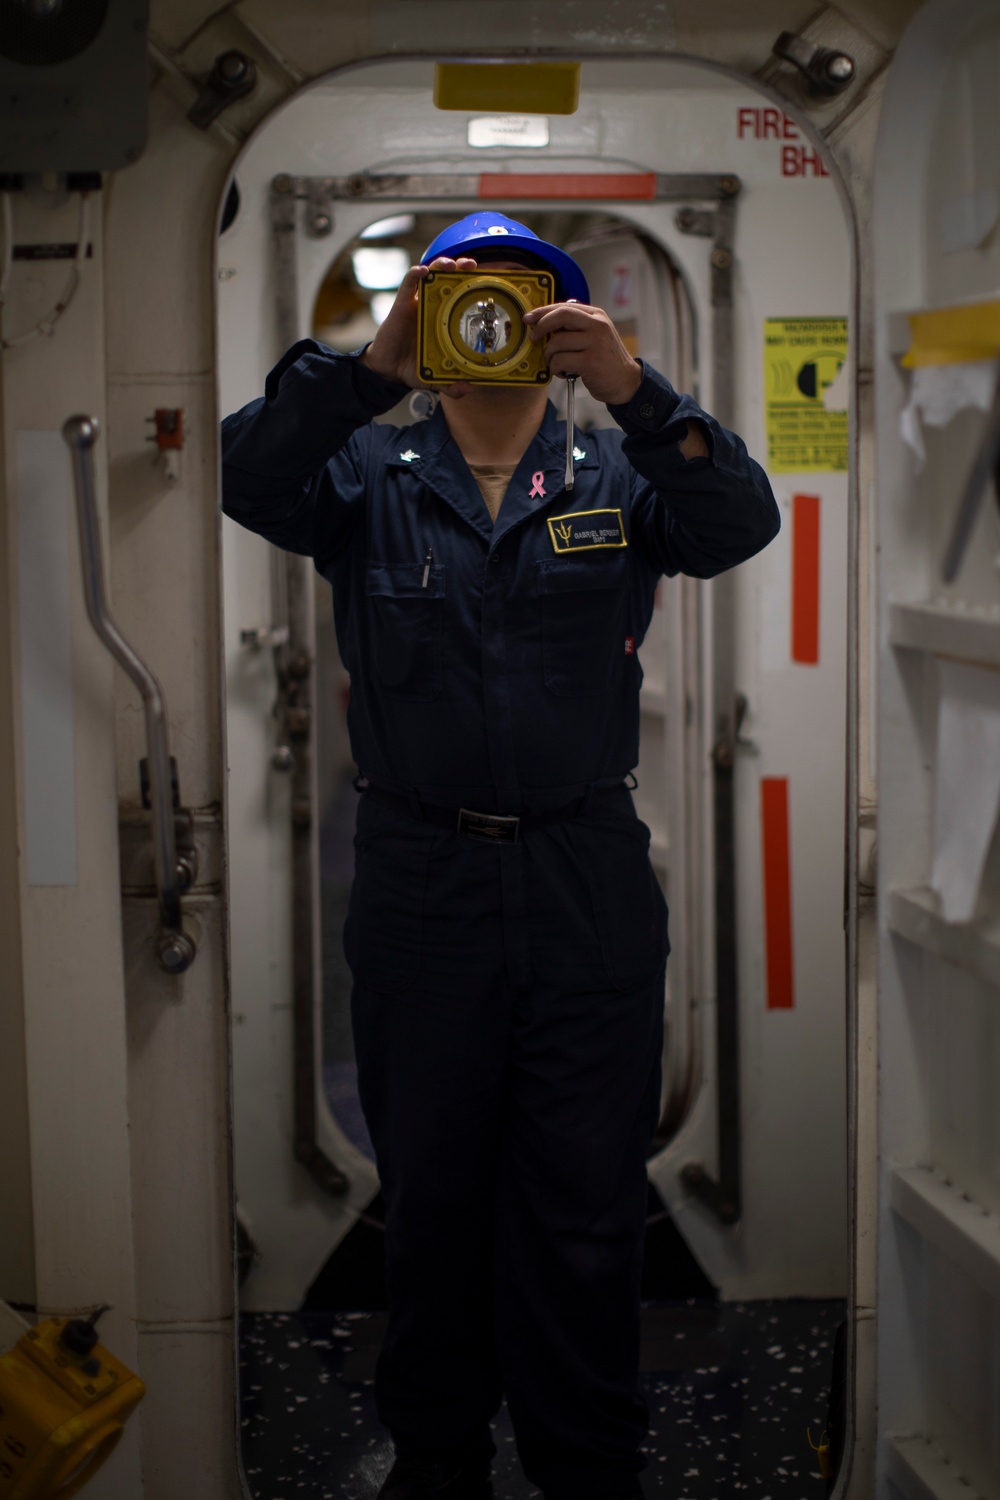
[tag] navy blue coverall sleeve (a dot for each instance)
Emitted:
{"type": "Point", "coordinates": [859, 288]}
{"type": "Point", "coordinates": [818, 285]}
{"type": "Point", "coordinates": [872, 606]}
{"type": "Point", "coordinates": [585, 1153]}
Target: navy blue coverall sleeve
{"type": "Point", "coordinates": [700, 515]}
{"type": "Point", "coordinates": [276, 477]}
{"type": "Point", "coordinates": [697, 516]}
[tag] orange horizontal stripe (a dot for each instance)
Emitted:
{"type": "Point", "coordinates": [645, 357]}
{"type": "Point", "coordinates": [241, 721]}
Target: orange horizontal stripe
{"type": "Point", "coordinates": [567, 185]}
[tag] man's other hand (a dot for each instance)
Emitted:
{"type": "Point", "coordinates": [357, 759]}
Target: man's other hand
{"type": "Point", "coordinates": [392, 353]}
{"type": "Point", "coordinates": [583, 341]}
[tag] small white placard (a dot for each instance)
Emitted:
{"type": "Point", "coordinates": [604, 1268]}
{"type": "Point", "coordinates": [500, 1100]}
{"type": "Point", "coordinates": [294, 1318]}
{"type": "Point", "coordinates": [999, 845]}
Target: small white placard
{"type": "Point", "coordinates": [509, 130]}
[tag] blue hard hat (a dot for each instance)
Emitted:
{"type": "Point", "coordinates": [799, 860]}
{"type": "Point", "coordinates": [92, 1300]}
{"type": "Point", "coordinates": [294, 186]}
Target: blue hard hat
{"type": "Point", "coordinates": [495, 232]}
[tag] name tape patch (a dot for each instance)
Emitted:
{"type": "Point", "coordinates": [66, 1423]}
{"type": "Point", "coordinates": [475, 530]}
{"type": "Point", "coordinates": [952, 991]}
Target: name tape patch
{"type": "Point", "coordinates": [582, 530]}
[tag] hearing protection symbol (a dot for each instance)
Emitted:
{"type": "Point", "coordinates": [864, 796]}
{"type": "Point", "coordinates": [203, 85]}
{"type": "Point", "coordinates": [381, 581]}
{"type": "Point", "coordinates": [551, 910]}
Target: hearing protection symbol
{"type": "Point", "coordinates": [789, 380]}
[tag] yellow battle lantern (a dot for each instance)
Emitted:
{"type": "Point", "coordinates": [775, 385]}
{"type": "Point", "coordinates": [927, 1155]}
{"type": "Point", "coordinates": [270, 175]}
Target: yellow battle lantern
{"type": "Point", "coordinates": [471, 327]}
{"type": "Point", "coordinates": [64, 1400]}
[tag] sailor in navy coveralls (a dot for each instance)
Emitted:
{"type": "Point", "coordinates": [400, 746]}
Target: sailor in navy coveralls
{"type": "Point", "coordinates": [508, 960]}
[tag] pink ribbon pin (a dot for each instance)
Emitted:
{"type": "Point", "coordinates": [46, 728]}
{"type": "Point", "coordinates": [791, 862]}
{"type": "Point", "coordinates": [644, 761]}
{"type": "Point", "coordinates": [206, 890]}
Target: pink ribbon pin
{"type": "Point", "coordinates": [537, 486]}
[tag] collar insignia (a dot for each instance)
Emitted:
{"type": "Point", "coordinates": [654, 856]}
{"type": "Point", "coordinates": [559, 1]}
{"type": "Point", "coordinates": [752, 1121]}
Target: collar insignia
{"type": "Point", "coordinates": [579, 454]}
{"type": "Point", "coordinates": [409, 456]}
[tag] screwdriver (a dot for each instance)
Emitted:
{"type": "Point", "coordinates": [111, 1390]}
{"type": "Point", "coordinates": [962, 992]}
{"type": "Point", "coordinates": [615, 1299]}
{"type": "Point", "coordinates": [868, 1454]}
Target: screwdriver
{"type": "Point", "coordinates": [570, 423]}
{"type": "Point", "coordinates": [570, 419]}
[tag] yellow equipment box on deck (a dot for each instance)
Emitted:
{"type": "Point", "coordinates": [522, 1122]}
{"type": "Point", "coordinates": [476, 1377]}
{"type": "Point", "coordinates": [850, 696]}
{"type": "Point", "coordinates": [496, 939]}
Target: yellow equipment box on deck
{"type": "Point", "coordinates": [64, 1401]}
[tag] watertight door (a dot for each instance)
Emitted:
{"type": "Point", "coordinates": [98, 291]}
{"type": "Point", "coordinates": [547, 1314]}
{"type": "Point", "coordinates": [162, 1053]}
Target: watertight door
{"type": "Point", "coordinates": [938, 336]}
{"type": "Point", "coordinates": [776, 261]}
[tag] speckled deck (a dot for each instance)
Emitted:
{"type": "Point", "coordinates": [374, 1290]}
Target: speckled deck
{"type": "Point", "coordinates": [733, 1391]}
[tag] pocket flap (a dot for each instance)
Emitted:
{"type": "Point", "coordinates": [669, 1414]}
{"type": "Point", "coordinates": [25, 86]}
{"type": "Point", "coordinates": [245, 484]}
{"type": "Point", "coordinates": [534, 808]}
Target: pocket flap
{"type": "Point", "coordinates": [570, 574]}
{"type": "Point", "coordinates": [406, 580]}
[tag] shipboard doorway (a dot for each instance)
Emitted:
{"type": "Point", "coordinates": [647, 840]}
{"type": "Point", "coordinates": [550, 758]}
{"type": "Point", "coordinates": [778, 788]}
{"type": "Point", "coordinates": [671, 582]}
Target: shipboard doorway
{"type": "Point", "coordinates": [789, 255]}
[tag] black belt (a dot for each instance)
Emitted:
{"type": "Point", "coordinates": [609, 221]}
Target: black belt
{"type": "Point", "coordinates": [489, 828]}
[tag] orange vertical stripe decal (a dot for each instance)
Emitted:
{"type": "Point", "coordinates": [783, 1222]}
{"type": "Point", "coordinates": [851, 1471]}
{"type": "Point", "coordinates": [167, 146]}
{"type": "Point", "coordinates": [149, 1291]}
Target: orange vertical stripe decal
{"type": "Point", "coordinates": [777, 892]}
{"type": "Point", "coordinates": [805, 579]}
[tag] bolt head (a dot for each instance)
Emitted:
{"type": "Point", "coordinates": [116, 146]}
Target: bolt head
{"type": "Point", "coordinates": [232, 66]}
{"type": "Point", "coordinates": [840, 68]}
{"type": "Point", "coordinates": [721, 260]}
{"type": "Point", "coordinates": [282, 758]}
{"type": "Point", "coordinates": [176, 952]}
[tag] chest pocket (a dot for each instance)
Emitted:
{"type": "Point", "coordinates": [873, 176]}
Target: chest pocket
{"type": "Point", "coordinates": [584, 608]}
{"type": "Point", "coordinates": [407, 629]}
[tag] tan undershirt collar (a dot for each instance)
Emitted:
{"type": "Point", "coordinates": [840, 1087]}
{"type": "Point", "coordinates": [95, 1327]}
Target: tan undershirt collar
{"type": "Point", "coordinates": [493, 480]}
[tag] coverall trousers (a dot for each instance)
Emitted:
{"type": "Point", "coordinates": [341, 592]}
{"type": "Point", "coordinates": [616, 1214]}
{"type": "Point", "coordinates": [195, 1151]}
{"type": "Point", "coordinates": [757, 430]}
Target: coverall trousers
{"type": "Point", "coordinates": [508, 1009]}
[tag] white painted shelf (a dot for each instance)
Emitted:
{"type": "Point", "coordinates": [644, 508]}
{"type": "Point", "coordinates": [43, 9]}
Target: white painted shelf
{"type": "Point", "coordinates": [923, 1473]}
{"type": "Point", "coordinates": [951, 1221]}
{"type": "Point", "coordinates": [652, 700]}
{"type": "Point", "coordinates": [974, 946]}
{"type": "Point", "coordinates": [972, 633]}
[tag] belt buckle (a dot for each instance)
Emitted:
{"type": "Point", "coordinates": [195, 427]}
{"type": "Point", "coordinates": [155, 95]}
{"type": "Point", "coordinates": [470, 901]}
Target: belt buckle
{"type": "Point", "coordinates": [489, 828]}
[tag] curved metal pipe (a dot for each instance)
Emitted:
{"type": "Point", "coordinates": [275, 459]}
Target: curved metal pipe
{"type": "Point", "coordinates": [175, 950]}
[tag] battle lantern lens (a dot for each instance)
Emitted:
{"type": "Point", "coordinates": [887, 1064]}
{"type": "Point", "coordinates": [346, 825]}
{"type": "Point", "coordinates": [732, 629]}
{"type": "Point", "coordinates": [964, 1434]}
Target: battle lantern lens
{"type": "Point", "coordinates": [471, 327]}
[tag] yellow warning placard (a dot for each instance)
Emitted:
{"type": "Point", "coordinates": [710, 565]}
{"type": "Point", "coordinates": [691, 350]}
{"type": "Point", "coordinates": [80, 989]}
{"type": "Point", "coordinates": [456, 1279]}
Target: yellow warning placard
{"type": "Point", "coordinates": [802, 359]}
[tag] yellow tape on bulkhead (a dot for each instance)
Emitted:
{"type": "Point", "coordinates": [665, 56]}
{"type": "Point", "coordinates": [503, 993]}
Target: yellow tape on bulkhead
{"type": "Point", "coordinates": [954, 335]}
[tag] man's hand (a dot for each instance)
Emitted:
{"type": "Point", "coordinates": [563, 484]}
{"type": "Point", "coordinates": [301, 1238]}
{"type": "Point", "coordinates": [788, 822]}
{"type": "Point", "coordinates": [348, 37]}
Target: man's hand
{"type": "Point", "coordinates": [392, 353]}
{"type": "Point", "coordinates": [582, 340]}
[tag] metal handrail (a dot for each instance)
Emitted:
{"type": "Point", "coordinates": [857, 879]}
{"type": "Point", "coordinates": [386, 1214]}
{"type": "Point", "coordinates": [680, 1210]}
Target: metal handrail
{"type": "Point", "coordinates": [175, 949]}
